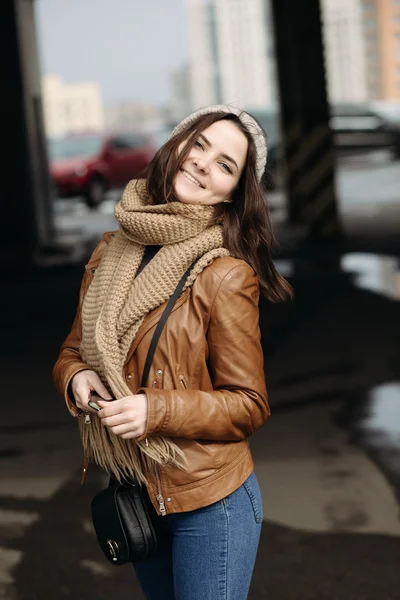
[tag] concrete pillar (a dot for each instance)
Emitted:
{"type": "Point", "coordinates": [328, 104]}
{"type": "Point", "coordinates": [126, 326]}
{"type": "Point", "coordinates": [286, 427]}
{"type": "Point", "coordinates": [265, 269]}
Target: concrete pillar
{"type": "Point", "coordinates": [25, 192]}
{"type": "Point", "coordinates": [307, 140]}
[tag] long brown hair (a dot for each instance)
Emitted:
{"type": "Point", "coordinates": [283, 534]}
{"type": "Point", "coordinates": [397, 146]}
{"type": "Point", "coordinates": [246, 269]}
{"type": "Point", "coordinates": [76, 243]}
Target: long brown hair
{"type": "Point", "coordinates": [246, 225]}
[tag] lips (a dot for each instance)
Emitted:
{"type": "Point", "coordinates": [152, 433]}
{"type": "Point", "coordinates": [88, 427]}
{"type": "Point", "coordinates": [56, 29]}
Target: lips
{"type": "Point", "coordinates": [191, 178]}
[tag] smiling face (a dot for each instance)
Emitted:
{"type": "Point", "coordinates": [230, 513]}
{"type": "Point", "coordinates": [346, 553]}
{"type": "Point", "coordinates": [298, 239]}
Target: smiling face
{"type": "Point", "coordinates": [213, 166]}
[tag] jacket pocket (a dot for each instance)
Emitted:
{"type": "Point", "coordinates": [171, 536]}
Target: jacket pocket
{"type": "Point", "coordinates": [253, 490]}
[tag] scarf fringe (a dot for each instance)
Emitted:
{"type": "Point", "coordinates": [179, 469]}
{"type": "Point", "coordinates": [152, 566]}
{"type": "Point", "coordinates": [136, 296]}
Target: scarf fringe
{"type": "Point", "coordinates": [124, 458]}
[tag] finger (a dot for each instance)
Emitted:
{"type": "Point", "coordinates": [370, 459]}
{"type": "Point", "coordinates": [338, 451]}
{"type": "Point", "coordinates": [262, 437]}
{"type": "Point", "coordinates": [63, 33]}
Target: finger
{"type": "Point", "coordinates": [119, 419]}
{"type": "Point", "coordinates": [82, 402]}
{"type": "Point", "coordinates": [78, 397]}
{"type": "Point", "coordinates": [81, 390]}
{"type": "Point", "coordinates": [113, 408]}
{"type": "Point", "coordinates": [100, 388]}
{"type": "Point", "coordinates": [132, 434]}
{"type": "Point", "coordinates": [87, 408]}
{"type": "Point", "coordinates": [103, 403]}
{"type": "Point", "coordinates": [99, 400]}
{"type": "Point", "coordinates": [124, 429]}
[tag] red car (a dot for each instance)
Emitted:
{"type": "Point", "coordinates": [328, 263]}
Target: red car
{"type": "Point", "coordinates": [89, 165]}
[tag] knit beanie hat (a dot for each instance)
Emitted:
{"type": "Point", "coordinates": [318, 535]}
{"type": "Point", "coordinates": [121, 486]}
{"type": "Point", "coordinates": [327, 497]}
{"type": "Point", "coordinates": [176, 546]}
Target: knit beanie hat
{"type": "Point", "coordinates": [251, 124]}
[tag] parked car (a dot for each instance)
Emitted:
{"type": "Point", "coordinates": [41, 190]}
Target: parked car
{"type": "Point", "coordinates": [359, 128]}
{"type": "Point", "coordinates": [89, 165]}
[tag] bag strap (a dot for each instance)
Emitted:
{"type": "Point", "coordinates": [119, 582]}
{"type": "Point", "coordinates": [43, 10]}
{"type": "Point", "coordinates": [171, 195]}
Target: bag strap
{"type": "Point", "coordinates": [160, 325]}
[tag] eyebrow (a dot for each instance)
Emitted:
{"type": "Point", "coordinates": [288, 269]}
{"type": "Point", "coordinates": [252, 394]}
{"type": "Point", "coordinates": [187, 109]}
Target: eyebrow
{"type": "Point", "coordinates": [226, 156]}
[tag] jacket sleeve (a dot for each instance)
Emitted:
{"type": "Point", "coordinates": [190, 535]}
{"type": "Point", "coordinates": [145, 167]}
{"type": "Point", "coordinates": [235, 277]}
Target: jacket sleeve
{"type": "Point", "coordinates": [238, 404]}
{"type": "Point", "coordinates": [69, 361]}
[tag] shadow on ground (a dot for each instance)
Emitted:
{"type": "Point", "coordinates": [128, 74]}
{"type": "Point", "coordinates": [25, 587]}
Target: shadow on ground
{"type": "Point", "coordinates": [61, 559]}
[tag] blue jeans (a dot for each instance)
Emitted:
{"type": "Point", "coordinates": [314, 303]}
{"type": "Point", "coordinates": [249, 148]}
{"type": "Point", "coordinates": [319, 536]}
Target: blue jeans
{"type": "Point", "coordinates": [208, 553]}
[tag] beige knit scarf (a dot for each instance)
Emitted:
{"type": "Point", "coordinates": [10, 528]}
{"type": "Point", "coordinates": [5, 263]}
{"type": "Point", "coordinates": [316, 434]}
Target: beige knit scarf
{"type": "Point", "coordinates": [117, 302]}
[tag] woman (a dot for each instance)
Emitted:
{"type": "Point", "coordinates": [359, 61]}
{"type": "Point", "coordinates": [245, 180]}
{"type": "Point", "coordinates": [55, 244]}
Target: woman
{"type": "Point", "coordinates": [184, 436]}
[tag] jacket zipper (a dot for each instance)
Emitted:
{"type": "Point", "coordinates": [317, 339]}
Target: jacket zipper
{"type": "Point", "coordinates": [160, 497]}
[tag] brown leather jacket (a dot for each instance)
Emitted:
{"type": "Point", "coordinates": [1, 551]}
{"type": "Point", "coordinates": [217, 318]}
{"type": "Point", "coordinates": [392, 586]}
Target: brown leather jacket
{"type": "Point", "coordinates": [207, 387]}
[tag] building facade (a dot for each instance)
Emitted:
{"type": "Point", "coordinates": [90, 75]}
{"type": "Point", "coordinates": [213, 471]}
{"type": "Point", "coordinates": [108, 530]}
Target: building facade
{"type": "Point", "coordinates": [203, 64]}
{"type": "Point", "coordinates": [373, 56]}
{"type": "Point", "coordinates": [344, 43]}
{"type": "Point", "coordinates": [231, 53]}
{"type": "Point", "coordinates": [180, 93]}
{"type": "Point", "coordinates": [362, 49]}
{"type": "Point", "coordinates": [71, 108]}
{"type": "Point", "coordinates": [381, 23]}
{"type": "Point", "coordinates": [132, 116]}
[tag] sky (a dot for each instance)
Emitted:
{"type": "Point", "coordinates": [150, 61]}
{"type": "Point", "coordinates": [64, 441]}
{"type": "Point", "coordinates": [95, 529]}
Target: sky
{"type": "Point", "coordinates": [128, 46]}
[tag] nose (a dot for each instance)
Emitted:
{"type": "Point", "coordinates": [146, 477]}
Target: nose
{"type": "Point", "coordinates": [201, 163]}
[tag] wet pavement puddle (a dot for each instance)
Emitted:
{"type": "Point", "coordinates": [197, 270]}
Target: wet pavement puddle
{"type": "Point", "coordinates": [374, 420]}
{"type": "Point", "coordinates": [371, 414]}
{"type": "Point", "coordinates": [378, 427]}
{"type": "Point", "coordinates": [380, 274]}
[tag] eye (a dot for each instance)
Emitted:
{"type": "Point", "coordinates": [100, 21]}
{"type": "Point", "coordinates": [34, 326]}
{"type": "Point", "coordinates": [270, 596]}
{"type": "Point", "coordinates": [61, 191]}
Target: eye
{"type": "Point", "coordinates": [199, 144]}
{"type": "Point", "coordinates": [226, 168]}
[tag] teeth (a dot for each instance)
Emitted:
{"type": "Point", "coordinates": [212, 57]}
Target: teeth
{"type": "Point", "coordinates": [191, 178]}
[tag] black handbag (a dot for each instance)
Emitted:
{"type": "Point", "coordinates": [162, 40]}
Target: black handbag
{"type": "Point", "coordinates": [120, 513]}
{"type": "Point", "coordinates": [122, 523]}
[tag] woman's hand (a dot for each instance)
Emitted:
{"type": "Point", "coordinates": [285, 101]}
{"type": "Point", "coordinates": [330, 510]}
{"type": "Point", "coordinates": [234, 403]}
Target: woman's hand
{"type": "Point", "coordinates": [87, 385]}
{"type": "Point", "coordinates": [126, 417]}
